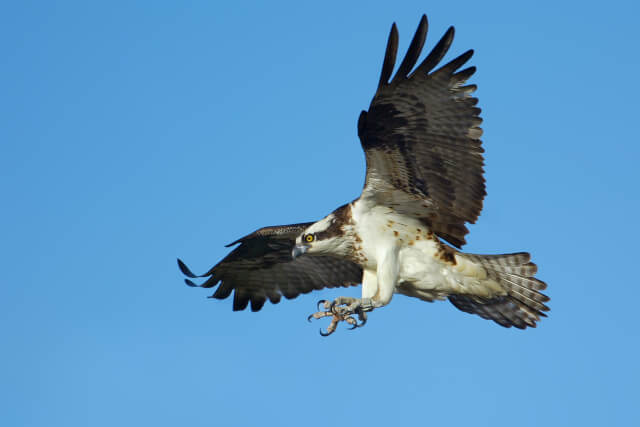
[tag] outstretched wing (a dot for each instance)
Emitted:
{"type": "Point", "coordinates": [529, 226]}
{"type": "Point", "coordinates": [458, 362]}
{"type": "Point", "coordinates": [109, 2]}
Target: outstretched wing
{"type": "Point", "coordinates": [422, 141]}
{"type": "Point", "coordinates": [262, 268]}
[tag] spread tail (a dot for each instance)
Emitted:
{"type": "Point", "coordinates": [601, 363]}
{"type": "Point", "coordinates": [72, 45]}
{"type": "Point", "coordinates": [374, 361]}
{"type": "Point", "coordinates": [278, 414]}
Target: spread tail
{"type": "Point", "coordinates": [522, 306]}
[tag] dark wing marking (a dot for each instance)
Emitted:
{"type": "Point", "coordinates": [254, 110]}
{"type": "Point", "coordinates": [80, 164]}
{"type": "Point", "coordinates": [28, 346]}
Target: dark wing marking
{"type": "Point", "coordinates": [261, 268]}
{"type": "Point", "coordinates": [505, 310]}
{"type": "Point", "coordinates": [421, 139]}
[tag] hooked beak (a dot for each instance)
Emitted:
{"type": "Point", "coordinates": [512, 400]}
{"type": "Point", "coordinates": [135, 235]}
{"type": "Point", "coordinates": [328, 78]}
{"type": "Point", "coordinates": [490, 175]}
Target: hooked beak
{"type": "Point", "coordinates": [298, 250]}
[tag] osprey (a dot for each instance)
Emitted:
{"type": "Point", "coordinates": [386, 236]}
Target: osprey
{"type": "Point", "coordinates": [421, 140]}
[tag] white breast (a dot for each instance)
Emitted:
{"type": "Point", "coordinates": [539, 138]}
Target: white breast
{"type": "Point", "coordinates": [421, 271]}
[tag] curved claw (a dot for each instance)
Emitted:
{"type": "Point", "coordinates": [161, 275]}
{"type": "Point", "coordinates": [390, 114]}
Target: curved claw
{"type": "Point", "coordinates": [363, 318]}
{"type": "Point", "coordinates": [325, 334]}
{"type": "Point", "coordinates": [341, 310]}
{"type": "Point", "coordinates": [356, 325]}
{"type": "Point", "coordinates": [332, 307]}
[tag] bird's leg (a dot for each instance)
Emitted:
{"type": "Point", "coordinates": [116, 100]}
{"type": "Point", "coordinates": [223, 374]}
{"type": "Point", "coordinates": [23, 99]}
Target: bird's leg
{"type": "Point", "coordinates": [343, 309]}
{"type": "Point", "coordinates": [377, 290]}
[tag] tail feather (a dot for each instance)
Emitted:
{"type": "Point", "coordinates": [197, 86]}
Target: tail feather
{"type": "Point", "coordinates": [522, 305]}
{"type": "Point", "coordinates": [529, 301]}
{"type": "Point", "coordinates": [528, 269]}
{"type": "Point", "coordinates": [506, 260]}
{"type": "Point", "coordinates": [520, 280]}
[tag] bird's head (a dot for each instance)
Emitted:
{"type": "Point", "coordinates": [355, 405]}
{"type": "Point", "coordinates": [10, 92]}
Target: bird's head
{"type": "Point", "coordinates": [325, 237]}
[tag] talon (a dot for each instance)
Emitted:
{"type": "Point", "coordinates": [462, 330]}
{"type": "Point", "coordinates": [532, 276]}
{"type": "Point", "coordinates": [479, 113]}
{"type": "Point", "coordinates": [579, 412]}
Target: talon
{"type": "Point", "coordinates": [342, 309]}
{"type": "Point", "coordinates": [350, 320]}
{"type": "Point", "coordinates": [363, 318]}
{"type": "Point", "coordinates": [331, 328]}
{"type": "Point", "coordinates": [355, 326]}
{"type": "Point", "coordinates": [332, 307]}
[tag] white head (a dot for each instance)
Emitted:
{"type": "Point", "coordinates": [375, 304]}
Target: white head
{"type": "Point", "coordinates": [329, 236]}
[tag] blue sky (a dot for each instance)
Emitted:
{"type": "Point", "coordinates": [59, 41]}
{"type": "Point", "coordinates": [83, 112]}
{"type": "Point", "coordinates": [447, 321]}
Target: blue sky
{"type": "Point", "coordinates": [133, 134]}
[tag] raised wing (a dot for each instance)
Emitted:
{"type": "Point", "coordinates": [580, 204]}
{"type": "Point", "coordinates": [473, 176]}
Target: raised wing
{"type": "Point", "coordinates": [422, 141]}
{"type": "Point", "coordinates": [262, 268]}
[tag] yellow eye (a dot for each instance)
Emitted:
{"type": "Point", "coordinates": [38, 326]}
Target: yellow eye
{"type": "Point", "coordinates": [309, 238]}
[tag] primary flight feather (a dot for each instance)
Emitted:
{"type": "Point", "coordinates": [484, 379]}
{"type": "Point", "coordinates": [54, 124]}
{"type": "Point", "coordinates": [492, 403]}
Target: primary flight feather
{"type": "Point", "coordinates": [424, 182]}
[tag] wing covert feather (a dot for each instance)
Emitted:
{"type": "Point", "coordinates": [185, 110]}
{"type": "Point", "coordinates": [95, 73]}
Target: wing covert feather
{"type": "Point", "coordinates": [421, 138]}
{"type": "Point", "coordinates": [262, 268]}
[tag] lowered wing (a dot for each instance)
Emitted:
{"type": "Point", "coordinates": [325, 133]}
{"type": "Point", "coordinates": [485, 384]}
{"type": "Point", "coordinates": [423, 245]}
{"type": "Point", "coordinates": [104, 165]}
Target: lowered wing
{"type": "Point", "coordinates": [262, 268]}
{"type": "Point", "coordinates": [421, 139]}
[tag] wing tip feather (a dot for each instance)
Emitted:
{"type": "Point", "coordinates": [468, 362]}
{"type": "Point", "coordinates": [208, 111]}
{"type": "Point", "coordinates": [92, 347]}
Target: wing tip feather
{"type": "Point", "coordinates": [414, 50]}
{"type": "Point", "coordinates": [185, 270]}
{"type": "Point", "coordinates": [390, 55]}
{"type": "Point", "coordinates": [191, 284]}
{"type": "Point", "coordinates": [438, 52]}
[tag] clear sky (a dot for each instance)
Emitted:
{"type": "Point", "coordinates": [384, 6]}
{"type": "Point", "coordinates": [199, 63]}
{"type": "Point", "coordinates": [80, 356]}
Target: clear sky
{"type": "Point", "coordinates": [132, 133]}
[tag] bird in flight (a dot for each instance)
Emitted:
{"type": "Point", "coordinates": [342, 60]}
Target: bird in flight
{"type": "Point", "coordinates": [424, 181]}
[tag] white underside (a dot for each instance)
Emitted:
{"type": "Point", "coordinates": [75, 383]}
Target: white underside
{"type": "Point", "coordinates": [401, 257]}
